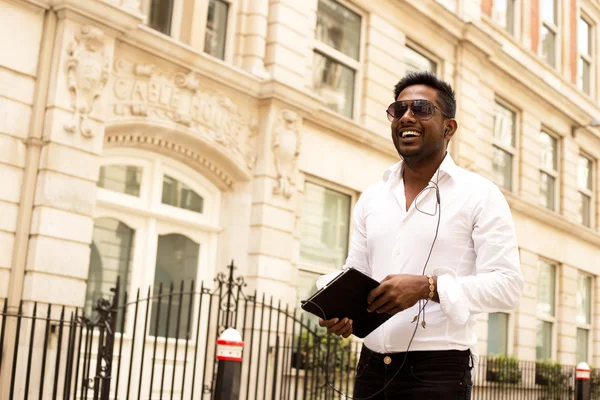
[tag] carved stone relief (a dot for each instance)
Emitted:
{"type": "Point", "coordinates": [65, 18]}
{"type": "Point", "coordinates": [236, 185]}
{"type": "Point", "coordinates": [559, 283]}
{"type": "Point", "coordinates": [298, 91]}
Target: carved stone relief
{"type": "Point", "coordinates": [88, 70]}
{"type": "Point", "coordinates": [147, 92]}
{"type": "Point", "coordinates": [286, 148]}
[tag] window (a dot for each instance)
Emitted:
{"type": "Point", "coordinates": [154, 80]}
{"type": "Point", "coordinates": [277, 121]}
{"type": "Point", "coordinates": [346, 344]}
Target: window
{"type": "Point", "coordinates": [415, 61]}
{"type": "Point", "coordinates": [497, 333]}
{"type": "Point", "coordinates": [180, 195]}
{"type": "Point", "coordinates": [165, 234]}
{"type": "Point", "coordinates": [176, 262]}
{"type": "Point", "coordinates": [504, 146]}
{"type": "Point", "coordinates": [324, 234]}
{"type": "Point", "coordinates": [584, 48]}
{"type": "Point", "coordinates": [324, 226]}
{"type": "Point", "coordinates": [121, 178]}
{"type": "Point", "coordinates": [549, 31]}
{"type": "Point", "coordinates": [585, 187]}
{"type": "Point", "coordinates": [548, 170]}
{"type": "Point", "coordinates": [110, 257]}
{"type": "Point", "coordinates": [216, 28]}
{"type": "Point", "coordinates": [546, 309]}
{"type": "Point", "coordinates": [160, 15]}
{"type": "Point", "coordinates": [336, 58]}
{"type": "Point", "coordinates": [584, 316]}
{"type": "Point", "coordinates": [503, 13]}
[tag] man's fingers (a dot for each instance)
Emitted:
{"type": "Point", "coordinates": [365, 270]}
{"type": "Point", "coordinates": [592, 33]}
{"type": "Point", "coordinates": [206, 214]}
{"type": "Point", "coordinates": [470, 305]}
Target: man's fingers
{"type": "Point", "coordinates": [347, 331]}
{"type": "Point", "coordinates": [387, 307]}
{"type": "Point", "coordinates": [339, 328]}
{"type": "Point", "coordinates": [328, 323]}
{"type": "Point", "coordinates": [373, 294]}
{"type": "Point", "coordinates": [378, 302]}
{"type": "Point", "coordinates": [347, 334]}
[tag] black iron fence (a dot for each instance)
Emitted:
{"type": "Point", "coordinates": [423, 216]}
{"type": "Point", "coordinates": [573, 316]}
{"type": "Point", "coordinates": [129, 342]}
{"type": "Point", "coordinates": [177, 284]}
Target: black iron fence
{"type": "Point", "coordinates": [161, 344]}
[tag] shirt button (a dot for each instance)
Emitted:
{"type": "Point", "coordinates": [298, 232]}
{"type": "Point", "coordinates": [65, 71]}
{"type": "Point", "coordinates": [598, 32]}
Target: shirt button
{"type": "Point", "coordinates": [397, 252]}
{"type": "Point", "coordinates": [387, 360]}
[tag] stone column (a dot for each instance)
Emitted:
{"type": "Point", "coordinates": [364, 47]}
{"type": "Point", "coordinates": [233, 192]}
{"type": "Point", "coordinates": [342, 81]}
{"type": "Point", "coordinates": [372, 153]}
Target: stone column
{"type": "Point", "coordinates": [529, 179]}
{"type": "Point", "coordinates": [569, 193]}
{"type": "Point", "coordinates": [565, 315]}
{"type": "Point", "coordinates": [595, 321]}
{"type": "Point", "coordinates": [525, 317]}
{"type": "Point", "coordinates": [383, 68]}
{"type": "Point", "coordinates": [291, 29]}
{"type": "Point", "coordinates": [255, 38]}
{"type": "Point", "coordinates": [54, 224]}
{"type": "Point", "coordinates": [472, 103]}
{"type": "Point", "coordinates": [273, 202]}
{"type": "Point", "coordinates": [61, 228]}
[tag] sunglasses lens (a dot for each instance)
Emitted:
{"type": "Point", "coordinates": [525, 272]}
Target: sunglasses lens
{"type": "Point", "coordinates": [396, 110]}
{"type": "Point", "coordinates": [423, 109]}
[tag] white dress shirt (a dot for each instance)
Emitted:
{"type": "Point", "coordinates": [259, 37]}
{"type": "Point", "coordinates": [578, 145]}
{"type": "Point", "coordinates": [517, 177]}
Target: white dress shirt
{"type": "Point", "coordinates": [475, 255]}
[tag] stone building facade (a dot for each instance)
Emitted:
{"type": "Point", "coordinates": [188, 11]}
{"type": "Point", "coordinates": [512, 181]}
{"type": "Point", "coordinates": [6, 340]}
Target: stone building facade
{"type": "Point", "coordinates": [158, 140]}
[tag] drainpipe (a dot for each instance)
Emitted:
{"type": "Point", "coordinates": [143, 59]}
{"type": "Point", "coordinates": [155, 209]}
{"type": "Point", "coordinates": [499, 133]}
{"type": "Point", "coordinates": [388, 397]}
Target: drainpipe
{"type": "Point", "coordinates": [34, 144]}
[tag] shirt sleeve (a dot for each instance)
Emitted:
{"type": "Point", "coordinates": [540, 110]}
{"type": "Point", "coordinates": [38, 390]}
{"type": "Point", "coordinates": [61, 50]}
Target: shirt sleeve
{"type": "Point", "coordinates": [498, 281]}
{"type": "Point", "coordinates": [358, 255]}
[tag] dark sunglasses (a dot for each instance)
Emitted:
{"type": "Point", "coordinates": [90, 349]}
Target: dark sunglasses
{"type": "Point", "coordinates": [421, 109]}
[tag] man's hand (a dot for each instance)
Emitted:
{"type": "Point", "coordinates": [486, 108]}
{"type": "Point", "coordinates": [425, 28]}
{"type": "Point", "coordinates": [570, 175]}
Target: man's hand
{"type": "Point", "coordinates": [397, 293]}
{"type": "Point", "coordinates": [338, 327]}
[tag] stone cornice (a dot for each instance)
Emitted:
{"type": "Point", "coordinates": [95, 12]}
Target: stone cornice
{"type": "Point", "coordinates": [552, 219]}
{"type": "Point", "coordinates": [178, 53]}
{"type": "Point", "coordinates": [44, 4]}
{"type": "Point", "coordinates": [351, 130]}
{"type": "Point", "coordinates": [113, 18]}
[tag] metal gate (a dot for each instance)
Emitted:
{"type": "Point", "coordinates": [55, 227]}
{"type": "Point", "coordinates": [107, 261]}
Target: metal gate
{"type": "Point", "coordinates": [161, 344]}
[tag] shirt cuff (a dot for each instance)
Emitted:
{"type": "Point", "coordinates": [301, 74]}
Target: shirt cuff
{"type": "Point", "coordinates": [453, 301]}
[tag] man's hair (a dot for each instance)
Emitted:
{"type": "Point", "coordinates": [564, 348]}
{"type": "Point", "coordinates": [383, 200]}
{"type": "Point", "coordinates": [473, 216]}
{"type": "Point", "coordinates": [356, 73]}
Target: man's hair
{"type": "Point", "coordinates": [445, 96]}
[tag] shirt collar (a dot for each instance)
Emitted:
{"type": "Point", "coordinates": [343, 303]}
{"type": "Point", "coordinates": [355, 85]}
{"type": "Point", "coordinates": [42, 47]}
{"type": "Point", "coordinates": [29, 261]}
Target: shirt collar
{"type": "Point", "coordinates": [394, 173]}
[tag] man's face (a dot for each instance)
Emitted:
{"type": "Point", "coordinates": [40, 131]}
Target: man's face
{"type": "Point", "coordinates": [416, 138]}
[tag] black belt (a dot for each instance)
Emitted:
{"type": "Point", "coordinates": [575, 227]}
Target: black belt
{"type": "Point", "coordinates": [415, 356]}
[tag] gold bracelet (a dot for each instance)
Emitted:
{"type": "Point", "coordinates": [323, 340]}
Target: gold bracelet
{"type": "Point", "coordinates": [431, 288]}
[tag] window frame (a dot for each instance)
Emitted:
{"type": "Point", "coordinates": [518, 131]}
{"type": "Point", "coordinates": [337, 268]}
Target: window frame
{"type": "Point", "coordinates": [588, 327]}
{"type": "Point", "coordinates": [511, 150]}
{"type": "Point", "coordinates": [229, 31]}
{"type": "Point", "coordinates": [553, 173]}
{"type": "Point", "coordinates": [312, 268]}
{"type": "Point", "coordinates": [589, 58]}
{"type": "Point", "coordinates": [510, 327]}
{"type": "Point", "coordinates": [589, 192]}
{"type": "Point", "coordinates": [553, 27]}
{"type": "Point", "coordinates": [149, 218]}
{"type": "Point", "coordinates": [197, 29]}
{"type": "Point", "coordinates": [515, 18]}
{"type": "Point", "coordinates": [425, 53]}
{"type": "Point", "coordinates": [550, 319]}
{"type": "Point", "coordinates": [337, 56]}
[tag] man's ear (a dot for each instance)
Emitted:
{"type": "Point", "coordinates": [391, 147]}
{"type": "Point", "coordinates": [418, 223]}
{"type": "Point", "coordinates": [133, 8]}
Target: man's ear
{"type": "Point", "coordinates": [450, 129]}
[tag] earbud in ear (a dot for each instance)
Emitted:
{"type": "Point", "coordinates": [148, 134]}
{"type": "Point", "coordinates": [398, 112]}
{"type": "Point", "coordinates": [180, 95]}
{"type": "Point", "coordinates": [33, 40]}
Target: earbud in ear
{"type": "Point", "coordinates": [446, 132]}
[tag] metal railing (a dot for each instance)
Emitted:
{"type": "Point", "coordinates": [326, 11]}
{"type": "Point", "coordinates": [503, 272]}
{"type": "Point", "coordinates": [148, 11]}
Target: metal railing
{"type": "Point", "coordinates": [162, 344]}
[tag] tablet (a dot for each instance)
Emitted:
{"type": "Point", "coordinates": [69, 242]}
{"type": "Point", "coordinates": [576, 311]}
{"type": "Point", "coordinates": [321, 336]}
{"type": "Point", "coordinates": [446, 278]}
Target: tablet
{"type": "Point", "coordinates": [346, 297]}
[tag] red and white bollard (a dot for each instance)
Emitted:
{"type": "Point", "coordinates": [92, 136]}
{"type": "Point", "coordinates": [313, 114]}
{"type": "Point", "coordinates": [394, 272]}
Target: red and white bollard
{"type": "Point", "coordinates": [229, 370]}
{"type": "Point", "coordinates": [583, 373]}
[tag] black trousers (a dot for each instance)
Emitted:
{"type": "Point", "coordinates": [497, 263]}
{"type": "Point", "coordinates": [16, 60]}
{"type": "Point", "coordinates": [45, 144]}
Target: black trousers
{"type": "Point", "coordinates": [439, 375]}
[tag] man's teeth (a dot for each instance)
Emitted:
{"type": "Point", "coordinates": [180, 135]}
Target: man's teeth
{"type": "Point", "coordinates": [410, 134]}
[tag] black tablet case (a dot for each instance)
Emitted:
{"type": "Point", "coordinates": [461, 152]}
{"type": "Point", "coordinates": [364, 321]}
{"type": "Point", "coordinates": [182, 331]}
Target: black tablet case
{"type": "Point", "coordinates": [346, 297]}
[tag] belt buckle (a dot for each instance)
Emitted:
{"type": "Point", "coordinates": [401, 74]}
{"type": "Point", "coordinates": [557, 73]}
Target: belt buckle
{"type": "Point", "coordinates": [387, 360]}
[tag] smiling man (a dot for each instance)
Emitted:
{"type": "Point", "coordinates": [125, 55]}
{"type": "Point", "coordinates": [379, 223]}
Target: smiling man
{"type": "Point", "coordinates": [441, 241]}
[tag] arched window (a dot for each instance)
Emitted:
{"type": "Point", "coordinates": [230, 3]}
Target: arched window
{"type": "Point", "coordinates": [156, 221]}
{"type": "Point", "coordinates": [110, 257]}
